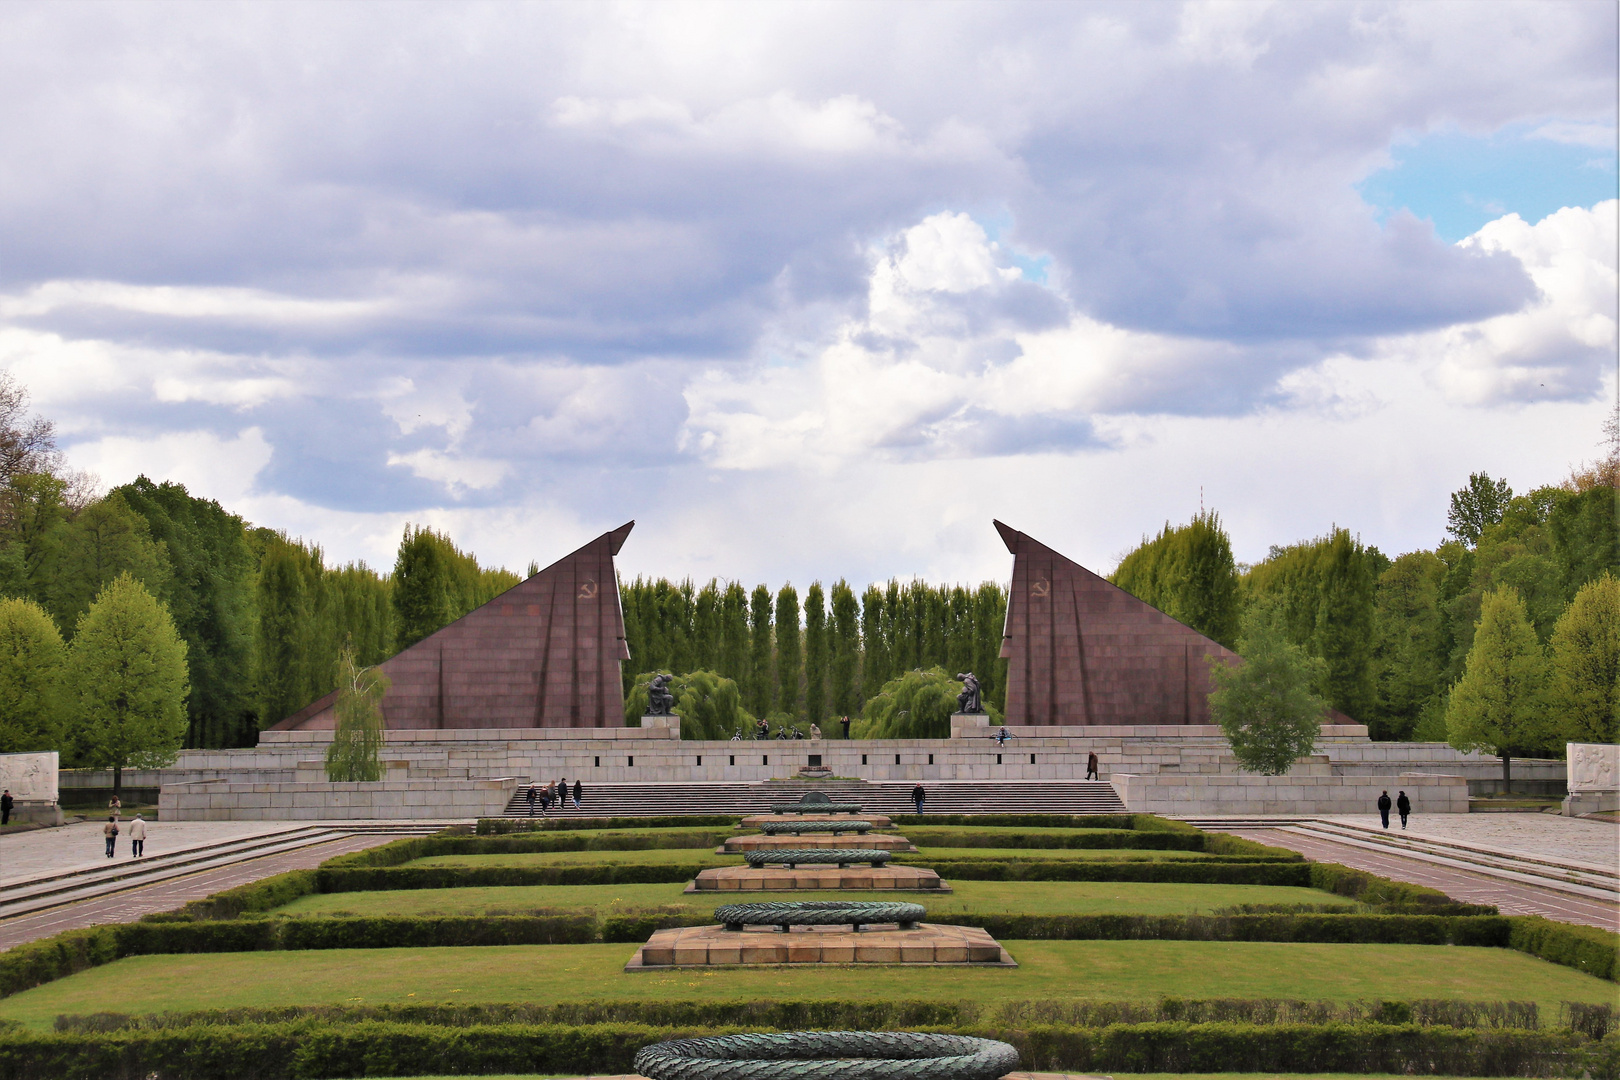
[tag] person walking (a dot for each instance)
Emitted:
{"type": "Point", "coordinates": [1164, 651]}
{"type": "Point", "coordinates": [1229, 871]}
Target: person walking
{"type": "Point", "coordinates": [844, 723]}
{"type": "Point", "coordinates": [545, 799]}
{"type": "Point", "coordinates": [579, 790]}
{"type": "Point", "coordinates": [137, 837]}
{"type": "Point", "coordinates": [1091, 767]}
{"type": "Point", "coordinates": [6, 803]}
{"type": "Point", "coordinates": [1404, 806]}
{"type": "Point", "coordinates": [110, 831]}
{"type": "Point", "coordinates": [919, 796]}
{"type": "Point", "coordinates": [532, 794]}
{"type": "Point", "coordinates": [1383, 808]}
{"type": "Point", "coordinates": [562, 793]}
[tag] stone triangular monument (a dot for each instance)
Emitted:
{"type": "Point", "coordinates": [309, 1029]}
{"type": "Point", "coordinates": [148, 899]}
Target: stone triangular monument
{"type": "Point", "coordinates": [545, 653]}
{"type": "Point", "coordinates": [1082, 651]}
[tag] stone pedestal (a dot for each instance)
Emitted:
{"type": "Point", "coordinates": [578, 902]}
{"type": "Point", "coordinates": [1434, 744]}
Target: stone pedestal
{"type": "Point", "coordinates": [739, 844]}
{"type": "Point", "coordinates": [781, 879]}
{"type": "Point", "coordinates": [709, 946]}
{"type": "Point", "coordinates": [1594, 778]}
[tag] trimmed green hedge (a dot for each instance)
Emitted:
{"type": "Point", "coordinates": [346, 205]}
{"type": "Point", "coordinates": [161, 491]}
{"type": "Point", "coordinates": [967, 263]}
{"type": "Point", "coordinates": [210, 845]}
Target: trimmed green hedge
{"type": "Point", "coordinates": [499, 826]}
{"type": "Point", "coordinates": [1180, 871]}
{"type": "Point", "coordinates": [1584, 948]}
{"type": "Point", "coordinates": [1032, 821]}
{"type": "Point", "coordinates": [1488, 932]}
{"type": "Point", "coordinates": [266, 1051]}
{"type": "Point", "coordinates": [829, 1014]}
{"type": "Point", "coordinates": [379, 879]}
{"type": "Point", "coordinates": [1114, 838]}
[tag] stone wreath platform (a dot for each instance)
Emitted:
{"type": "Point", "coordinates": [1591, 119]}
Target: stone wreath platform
{"type": "Point", "coordinates": [738, 844]}
{"type": "Point", "coordinates": [710, 946]}
{"type": "Point", "coordinates": [781, 879]}
{"type": "Point", "coordinates": [755, 821]}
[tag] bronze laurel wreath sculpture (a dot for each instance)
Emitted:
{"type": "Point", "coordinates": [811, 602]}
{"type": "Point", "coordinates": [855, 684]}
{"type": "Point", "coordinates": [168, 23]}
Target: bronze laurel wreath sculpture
{"type": "Point", "coordinates": [836, 856]}
{"type": "Point", "coordinates": [777, 828]}
{"type": "Point", "coordinates": [828, 1055]}
{"type": "Point", "coordinates": [786, 913]}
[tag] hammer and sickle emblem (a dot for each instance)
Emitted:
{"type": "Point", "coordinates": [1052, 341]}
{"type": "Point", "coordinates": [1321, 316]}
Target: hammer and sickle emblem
{"type": "Point", "coordinates": [587, 590]}
{"type": "Point", "coordinates": [1041, 587]}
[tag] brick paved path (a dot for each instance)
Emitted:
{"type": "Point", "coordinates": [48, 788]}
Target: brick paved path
{"type": "Point", "coordinates": [1510, 897]}
{"type": "Point", "coordinates": [131, 904]}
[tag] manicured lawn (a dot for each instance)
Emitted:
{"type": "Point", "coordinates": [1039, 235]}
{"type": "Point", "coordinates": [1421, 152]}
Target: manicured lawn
{"type": "Point", "coordinates": [1034, 897]}
{"type": "Point", "coordinates": [963, 854]}
{"type": "Point", "coordinates": [1116, 970]}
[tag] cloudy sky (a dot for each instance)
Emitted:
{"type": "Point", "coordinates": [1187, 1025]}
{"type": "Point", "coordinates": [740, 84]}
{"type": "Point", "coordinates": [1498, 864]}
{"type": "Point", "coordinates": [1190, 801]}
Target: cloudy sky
{"type": "Point", "coordinates": [813, 290]}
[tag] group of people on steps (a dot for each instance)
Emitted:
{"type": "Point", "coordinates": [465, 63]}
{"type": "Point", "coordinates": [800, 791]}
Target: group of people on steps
{"type": "Point", "coordinates": [546, 794]}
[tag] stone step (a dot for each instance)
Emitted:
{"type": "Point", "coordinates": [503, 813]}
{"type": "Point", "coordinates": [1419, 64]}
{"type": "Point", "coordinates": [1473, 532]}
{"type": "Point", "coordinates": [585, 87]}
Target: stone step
{"type": "Point", "coordinates": [949, 797]}
{"type": "Point", "coordinates": [1557, 869]}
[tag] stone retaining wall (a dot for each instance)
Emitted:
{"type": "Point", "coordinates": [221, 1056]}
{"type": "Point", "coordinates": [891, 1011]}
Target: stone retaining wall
{"type": "Point", "coordinates": [392, 798]}
{"type": "Point", "coordinates": [1304, 790]}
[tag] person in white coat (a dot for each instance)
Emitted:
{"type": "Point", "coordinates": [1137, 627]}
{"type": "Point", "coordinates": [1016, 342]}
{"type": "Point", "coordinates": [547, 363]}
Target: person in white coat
{"type": "Point", "coordinates": [137, 837]}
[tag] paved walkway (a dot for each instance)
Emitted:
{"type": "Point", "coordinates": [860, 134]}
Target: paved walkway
{"type": "Point", "coordinates": [130, 904]}
{"type": "Point", "coordinates": [43, 852]}
{"type": "Point", "coordinates": [1511, 898]}
{"type": "Point", "coordinates": [1538, 836]}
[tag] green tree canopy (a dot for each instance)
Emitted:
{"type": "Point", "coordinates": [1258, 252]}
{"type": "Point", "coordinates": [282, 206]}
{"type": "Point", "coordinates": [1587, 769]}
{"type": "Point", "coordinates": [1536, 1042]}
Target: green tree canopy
{"type": "Point", "coordinates": [356, 750]}
{"type": "Point", "coordinates": [760, 683]}
{"type": "Point", "coordinates": [815, 653]}
{"type": "Point", "coordinates": [32, 659]}
{"type": "Point", "coordinates": [915, 705]}
{"type": "Point", "coordinates": [1266, 706]}
{"type": "Point", "coordinates": [708, 703]}
{"type": "Point", "coordinates": [1584, 695]}
{"type": "Point", "coordinates": [1499, 704]}
{"type": "Point", "coordinates": [127, 674]}
{"type": "Point", "coordinates": [789, 655]}
{"type": "Point", "coordinates": [845, 641]}
{"type": "Point", "coordinates": [1410, 645]}
{"type": "Point", "coordinates": [1189, 574]}
{"type": "Point", "coordinates": [1477, 506]}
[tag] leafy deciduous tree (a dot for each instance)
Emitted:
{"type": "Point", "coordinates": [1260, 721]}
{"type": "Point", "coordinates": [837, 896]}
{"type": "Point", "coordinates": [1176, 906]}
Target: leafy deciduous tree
{"type": "Point", "coordinates": [32, 658]}
{"type": "Point", "coordinates": [127, 673]}
{"type": "Point", "coordinates": [1499, 704]}
{"type": "Point", "coordinates": [788, 653]}
{"type": "Point", "coordinates": [759, 661]}
{"type": "Point", "coordinates": [1266, 706]}
{"type": "Point", "coordinates": [846, 648]}
{"type": "Point", "coordinates": [1189, 574]}
{"type": "Point", "coordinates": [1477, 506]}
{"type": "Point", "coordinates": [815, 654]}
{"type": "Point", "coordinates": [1584, 694]}
{"type": "Point", "coordinates": [355, 753]}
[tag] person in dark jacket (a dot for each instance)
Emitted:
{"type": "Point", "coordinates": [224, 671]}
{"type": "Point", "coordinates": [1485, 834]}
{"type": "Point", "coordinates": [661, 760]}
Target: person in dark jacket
{"type": "Point", "coordinates": [918, 796]}
{"type": "Point", "coordinates": [545, 799]}
{"type": "Point", "coordinates": [110, 831]}
{"type": "Point", "coordinates": [1404, 806]}
{"type": "Point", "coordinates": [579, 793]}
{"type": "Point", "coordinates": [532, 794]}
{"type": "Point", "coordinates": [1091, 767]}
{"type": "Point", "coordinates": [1383, 808]}
{"type": "Point", "coordinates": [6, 803]}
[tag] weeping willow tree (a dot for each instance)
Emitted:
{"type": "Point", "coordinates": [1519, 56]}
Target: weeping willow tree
{"type": "Point", "coordinates": [355, 753]}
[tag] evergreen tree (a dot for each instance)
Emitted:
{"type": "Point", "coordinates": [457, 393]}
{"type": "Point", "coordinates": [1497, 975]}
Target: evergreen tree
{"type": "Point", "coordinates": [32, 659]}
{"type": "Point", "coordinates": [1477, 506]}
{"type": "Point", "coordinates": [355, 753]}
{"type": "Point", "coordinates": [1584, 696]}
{"type": "Point", "coordinates": [1266, 706]}
{"type": "Point", "coordinates": [734, 643]}
{"type": "Point", "coordinates": [1189, 574]}
{"type": "Point", "coordinates": [875, 643]}
{"type": "Point", "coordinates": [1499, 705]}
{"type": "Point", "coordinates": [760, 696]}
{"type": "Point", "coordinates": [1409, 650]}
{"type": "Point", "coordinates": [210, 597]}
{"type": "Point", "coordinates": [815, 654]}
{"type": "Point", "coordinates": [788, 655]}
{"type": "Point", "coordinates": [424, 586]}
{"type": "Point", "coordinates": [127, 673]}
{"type": "Point", "coordinates": [845, 635]}
{"type": "Point", "coordinates": [102, 541]}
{"type": "Point", "coordinates": [989, 622]}
{"type": "Point", "coordinates": [706, 628]}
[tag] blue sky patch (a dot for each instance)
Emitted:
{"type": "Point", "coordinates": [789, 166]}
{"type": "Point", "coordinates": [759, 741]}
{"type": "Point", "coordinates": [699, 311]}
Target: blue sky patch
{"type": "Point", "coordinates": [1460, 181]}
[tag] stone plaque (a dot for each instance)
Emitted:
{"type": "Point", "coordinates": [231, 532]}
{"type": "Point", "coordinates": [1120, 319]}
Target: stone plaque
{"type": "Point", "coordinates": [30, 777]}
{"type": "Point", "coordinates": [1594, 766]}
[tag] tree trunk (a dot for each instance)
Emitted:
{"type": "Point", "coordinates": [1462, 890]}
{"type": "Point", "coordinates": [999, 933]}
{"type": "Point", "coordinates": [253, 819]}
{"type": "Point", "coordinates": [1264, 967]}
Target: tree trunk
{"type": "Point", "coordinates": [1507, 775]}
{"type": "Point", "coordinates": [118, 781]}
